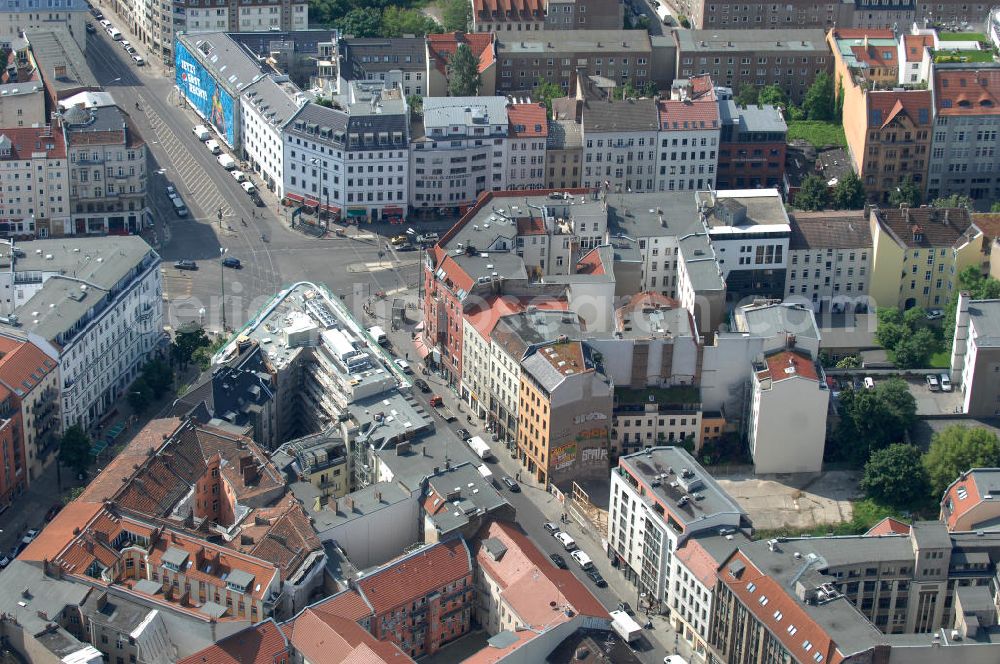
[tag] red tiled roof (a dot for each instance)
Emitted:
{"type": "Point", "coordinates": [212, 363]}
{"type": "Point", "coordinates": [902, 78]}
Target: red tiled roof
{"type": "Point", "coordinates": [914, 46]}
{"type": "Point", "coordinates": [455, 277]}
{"type": "Point", "coordinates": [59, 532]}
{"type": "Point", "coordinates": [875, 56]}
{"type": "Point", "coordinates": [888, 526]}
{"type": "Point", "coordinates": [26, 140]}
{"type": "Point", "coordinates": [699, 562]}
{"type": "Point", "coordinates": [779, 363]}
{"type": "Point", "coordinates": [967, 92]}
{"type": "Point", "coordinates": [700, 112]}
{"type": "Point", "coordinates": [891, 103]}
{"type": "Point", "coordinates": [441, 47]}
{"type": "Point", "coordinates": [779, 603]}
{"type": "Point", "coordinates": [263, 643]}
{"type": "Point", "coordinates": [23, 365]}
{"type": "Point", "coordinates": [590, 264]}
{"type": "Point", "coordinates": [531, 226]}
{"type": "Point", "coordinates": [110, 480]}
{"type": "Point", "coordinates": [331, 639]}
{"type": "Point", "coordinates": [284, 537]}
{"type": "Point", "coordinates": [988, 223]}
{"type": "Point", "coordinates": [348, 604]}
{"type": "Point", "coordinates": [528, 120]}
{"type": "Point", "coordinates": [416, 575]}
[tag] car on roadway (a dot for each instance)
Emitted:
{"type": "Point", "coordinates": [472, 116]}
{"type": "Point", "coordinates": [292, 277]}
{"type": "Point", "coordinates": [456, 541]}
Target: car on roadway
{"type": "Point", "coordinates": [399, 240]}
{"type": "Point", "coordinates": [185, 265]}
{"type": "Point", "coordinates": [464, 434]}
{"type": "Point", "coordinates": [171, 191]}
{"type": "Point", "coordinates": [422, 385]}
{"type": "Point", "coordinates": [234, 263]}
{"type": "Point", "coordinates": [126, 44]}
{"type": "Point", "coordinates": [403, 365]}
{"type": "Point", "coordinates": [427, 238]}
{"type": "Point", "coordinates": [551, 527]}
{"type": "Point", "coordinates": [138, 60]}
{"type": "Point", "coordinates": [406, 247]}
{"type": "Point", "coordinates": [96, 13]}
{"type": "Point", "coordinates": [248, 187]}
{"type": "Point", "coordinates": [105, 23]}
{"type": "Point", "coordinates": [675, 659]}
{"type": "Point", "coordinates": [513, 486]}
{"type": "Point", "coordinates": [934, 314]}
{"type": "Point", "coordinates": [28, 538]}
{"type": "Point", "coordinates": [239, 176]}
{"type": "Point", "coordinates": [558, 560]}
{"type": "Point", "coordinates": [4, 561]}
{"type": "Point", "coordinates": [51, 514]}
{"type": "Point", "coordinates": [257, 200]}
{"type": "Point", "coordinates": [624, 606]}
{"type": "Point", "coordinates": [91, 29]}
{"type": "Point", "coordinates": [596, 577]}
{"type": "Point", "coordinates": [202, 132]}
{"type": "Point", "coordinates": [582, 559]}
{"type": "Point", "coordinates": [564, 538]}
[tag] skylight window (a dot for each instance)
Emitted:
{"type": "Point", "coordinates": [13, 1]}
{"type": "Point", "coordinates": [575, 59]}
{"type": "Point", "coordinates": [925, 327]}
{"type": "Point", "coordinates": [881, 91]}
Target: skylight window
{"type": "Point", "coordinates": [792, 629]}
{"type": "Point", "coordinates": [778, 615]}
{"type": "Point", "coordinates": [751, 586]}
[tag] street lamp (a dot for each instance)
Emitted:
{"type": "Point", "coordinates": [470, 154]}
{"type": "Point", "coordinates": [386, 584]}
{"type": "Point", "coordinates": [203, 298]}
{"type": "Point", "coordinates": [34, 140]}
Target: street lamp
{"type": "Point", "coordinates": [222, 279]}
{"type": "Point", "coordinates": [323, 191]}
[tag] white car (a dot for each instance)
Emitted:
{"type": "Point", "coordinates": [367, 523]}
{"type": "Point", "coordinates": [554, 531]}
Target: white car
{"type": "Point", "coordinates": [583, 559]}
{"type": "Point", "coordinates": [239, 176]}
{"type": "Point", "coordinates": [403, 365]}
{"type": "Point", "coordinates": [248, 187]}
{"type": "Point", "coordinates": [945, 382]}
{"type": "Point", "coordinates": [171, 191]}
{"type": "Point", "coordinates": [568, 542]}
{"type": "Point", "coordinates": [934, 314]}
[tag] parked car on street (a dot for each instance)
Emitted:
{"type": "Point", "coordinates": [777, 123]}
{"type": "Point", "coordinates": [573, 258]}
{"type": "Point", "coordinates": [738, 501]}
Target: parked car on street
{"type": "Point", "coordinates": [582, 559]}
{"type": "Point", "coordinates": [422, 385]}
{"type": "Point", "coordinates": [512, 485]}
{"type": "Point", "coordinates": [51, 514]}
{"type": "Point", "coordinates": [233, 263]}
{"type": "Point", "coordinates": [932, 383]}
{"type": "Point", "coordinates": [464, 434]}
{"type": "Point", "coordinates": [596, 577]}
{"type": "Point", "coordinates": [185, 265]}
{"type": "Point", "coordinates": [403, 365]}
{"type": "Point", "coordinates": [568, 542]}
{"type": "Point", "coordinates": [551, 527]}
{"type": "Point", "coordinates": [558, 560]}
{"type": "Point", "coordinates": [945, 382]}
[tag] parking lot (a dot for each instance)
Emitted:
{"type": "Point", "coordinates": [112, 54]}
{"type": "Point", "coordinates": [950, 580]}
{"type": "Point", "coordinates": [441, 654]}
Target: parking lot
{"type": "Point", "coordinates": [930, 403]}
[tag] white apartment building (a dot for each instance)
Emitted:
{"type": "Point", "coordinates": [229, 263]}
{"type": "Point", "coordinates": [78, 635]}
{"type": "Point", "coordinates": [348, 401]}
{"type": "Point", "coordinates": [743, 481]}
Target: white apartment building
{"type": "Point", "coordinates": [975, 356]}
{"type": "Point", "coordinates": [660, 498]}
{"type": "Point", "coordinates": [267, 106]}
{"type": "Point", "coordinates": [19, 16]}
{"type": "Point", "coordinates": [477, 361]}
{"type": "Point", "coordinates": [829, 259]}
{"type": "Point", "coordinates": [357, 150]}
{"type": "Point", "coordinates": [92, 304]}
{"type": "Point", "coordinates": [619, 145]}
{"type": "Point", "coordinates": [34, 181]}
{"type": "Point", "coordinates": [789, 400]}
{"type": "Point", "coordinates": [459, 152]}
{"type": "Point", "coordinates": [107, 168]}
{"type": "Point", "coordinates": [688, 139]}
{"type": "Point", "coordinates": [529, 130]}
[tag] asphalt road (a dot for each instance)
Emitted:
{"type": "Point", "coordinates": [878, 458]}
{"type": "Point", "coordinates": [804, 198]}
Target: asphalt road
{"type": "Point", "coordinates": [272, 254]}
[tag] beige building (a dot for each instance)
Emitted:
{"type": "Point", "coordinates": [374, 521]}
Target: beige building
{"type": "Point", "coordinates": [320, 460]}
{"type": "Point", "coordinates": [624, 56]}
{"type": "Point", "coordinates": [969, 502]}
{"type": "Point", "coordinates": [829, 259]}
{"type": "Point", "coordinates": [564, 146]}
{"type": "Point", "coordinates": [34, 181]}
{"type": "Point", "coordinates": [564, 412]}
{"type": "Point", "coordinates": [22, 104]}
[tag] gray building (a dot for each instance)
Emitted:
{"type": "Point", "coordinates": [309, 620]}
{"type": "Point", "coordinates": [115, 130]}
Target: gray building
{"type": "Point", "coordinates": [460, 499]}
{"type": "Point", "coordinates": [790, 58]}
{"type": "Point", "coordinates": [399, 62]}
{"type": "Point", "coordinates": [975, 356]}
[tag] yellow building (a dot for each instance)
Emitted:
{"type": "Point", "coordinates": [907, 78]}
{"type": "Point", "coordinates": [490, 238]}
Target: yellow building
{"type": "Point", "coordinates": [918, 254]}
{"type": "Point", "coordinates": [564, 414]}
{"type": "Point", "coordinates": [315, 467]}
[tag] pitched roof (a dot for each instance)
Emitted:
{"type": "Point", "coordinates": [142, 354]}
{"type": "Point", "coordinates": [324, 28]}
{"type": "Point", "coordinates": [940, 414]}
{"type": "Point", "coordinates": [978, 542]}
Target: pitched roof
{"type": "Point", "coordinates": [25, 141]}
{"type": "Point", "coordinates": [332, 639]}
{"type": "Point", "coordinates": [791, 364]}
{"type": "Point", "coordinates": [914, 46]}
{"type": "Point", "coordinates": [927, 226]}
{"type": "Point", "coordinates": [988, 223]}
{"type": "Point", "coordinates": [415, 575]}
{"type": "Point", "coordinates": [58, 533]}
{"type": "Point", "coordinates": [485, 318]}
{"type": "Point", "coordinates": [263, 643]}
{"type": "Point", "coordinates": [348, 604]}
{"type": "Point", "coordinates": [888, 526]}
{"type": "Point", "coordinates": [967, 91]}
{"type": "Point", "coordinates": [527, 120]}
{"type": "Point", "coordinates": [699, 112]}
{"type": "Point", "coordinates": [441, 47]}
{"type": "Point", "coordinates": [621, 115]}
{"type": "Point", "coordinates": [837, 229]}
{"type": "Point", "coordinates": [23, 365]}
{"type": "Point", "coordinates": [970, 490]}
{"type": "Point", "coordinates": [281, 535]}
{"type": "Point", "coordinates": [884, 106]}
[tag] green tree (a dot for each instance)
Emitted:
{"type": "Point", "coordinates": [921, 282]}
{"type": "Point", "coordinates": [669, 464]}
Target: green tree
{"type": "Point", "coordinates": [650, 89]}
{"type": "Point", "coordinates": [158, 376]}
{"type": "Point", "coordinates": [890, 315]}
{"type": "Point", "coordinates": [773, 95]}
{"type": "Point", "coordinates": [895, 476]}
{"type": "Point", "coordinates": [979, 287]}
{"type": "Point", "coordinates": [747, 95]}
{"type": "Point", "coordinates": [416, 104]}
{"type": "Point", "coordinates": [813, 194]}
{"type": "Point", "coordinates": [915, 350]}
{"type": "Point", "coordinates": [188, 339]}
{"type": "Point", "coordinates": [849, 362]}
{"type": "Point", "coordinates": [456, 15]}
{"type": "Point", "coordinates": [463, 73]}
{"type": "Point", "coordinates": [888, 335]}
{"type": "Point", "coordinates": [907, 192]}
{"type": "Point", "coordinates": [873, 419]}
{"type": "Point", "coordinates": [995, 207]}
{"type": "Point", "coordinates": [399, 21]}
{"type": "Point", "coordinates": [953, 201]}
{"type": "Point", "coordinates": [74, 449]}
{"type": "Point", "coordinates": [140, 394]}
{"type": "Point", "coordinates": [361, 22]}
{"type": "Point", "coordinates": [626, 91]}
{"type": "Point", "coordinates": [545, 92]}
{"type": "Point", "coordinates": [849, 193]}
{"type": "Point", "coordinates": [818, 102]}
{"type": "Point", "coordinates": [957, 449]}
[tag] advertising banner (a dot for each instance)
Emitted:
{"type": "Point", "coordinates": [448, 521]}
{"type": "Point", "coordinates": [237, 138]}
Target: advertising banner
{"type": "Point", "coordinates": [204, 94]}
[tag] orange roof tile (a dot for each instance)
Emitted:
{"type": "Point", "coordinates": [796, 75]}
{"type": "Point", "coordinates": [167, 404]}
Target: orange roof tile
{"type": "Point", "coordinates": [441, 47]}
{"type": "Point", "coordinates": [699, 112]}
{"type": "Point", "coordinates": [802, 366]}
{"type": "Point", "coordinates": [405, 579]}
{"type": "Point", "coordinates": [861, 33]}
{"type": "Point", "coordinates": [528, 120]}
{"type": "Point", "coordinates": [263, 643]}
{"type": "Point", "coordinates": [890, 104]}
{"type": "Point", "coordinates": [699, 561]}
{"type": "Point", "coordinates": [888, 526]}
{"type": "Point", "coordinates": [914, 46]}
{"type": "Point", "coordinates": [988, 223]}
{"type": "Point", "coordinates": [110, 480]}
{"type": "Point", "coordinates": [591, 264]}
{"type": "Point", "coordinates": [23, 365]}
{"type": "Point", "coordinates": [349, 604]}
{"type": "Point", "coordinates": [59, 532]}
{"type": "Point", "coordinates": [874, 56]}
{"type": "Point", "coordinates": [967, 92]}
{"type": "Point", "coordinates": [26, 140]}
{"type": "Point", "coordinates": [332, 639]}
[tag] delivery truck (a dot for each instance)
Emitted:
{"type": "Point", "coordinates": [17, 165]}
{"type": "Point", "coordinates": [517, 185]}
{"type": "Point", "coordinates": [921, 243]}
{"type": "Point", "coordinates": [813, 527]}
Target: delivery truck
{"type": "Point", "coordinates": [481, 448]}
{"type": "Point", "coordinates": [624, 626]}
{"type": "Point", "coordinates": [227, 162]}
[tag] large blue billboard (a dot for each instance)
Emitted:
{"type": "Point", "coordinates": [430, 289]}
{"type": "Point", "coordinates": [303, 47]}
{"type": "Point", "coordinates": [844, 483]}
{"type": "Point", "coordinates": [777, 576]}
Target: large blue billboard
{"type": "Point", "coordinates": [204, 93]}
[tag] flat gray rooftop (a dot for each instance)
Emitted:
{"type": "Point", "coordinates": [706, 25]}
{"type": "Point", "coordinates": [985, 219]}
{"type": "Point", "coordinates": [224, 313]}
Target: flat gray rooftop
{"type": "Point", "coordinates": [410, 464]}
{"type": "Point", "coordinates": [467, 493]}
{"type": "Point", "coordinates": [55, 48]}
{"type": "Point", "coordinates": [389, 416]}
{"type": "Point", "coordinates": [518, 332]}
{"type": "Point", "coordinates": [807, 39]}
{"type": "Point", "coordinates": [356, 505]}
{"type": "Point", "coordinates": [573, 41]}
{"type": "Point", "coordinates": [739, 210]}
{"type": "Point", "coordinates": [984, 315]}
{"type": "Point", "coordinates": [769, 320]}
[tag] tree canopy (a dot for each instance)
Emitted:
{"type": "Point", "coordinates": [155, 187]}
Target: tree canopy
{"type": "Point", "coordinates": [188, 339]}
{"type": "Point", "coordinates": [773, 95]}
{"type": "Point", "coordinates": [953, 201]}
{"type": "Point", "coordinates": [818, 103]}
{"type": "Point", "coordinates": [747, 95]}
{"type": "Point", "coordinates": [399, 21]}
{"type": "Point", "coordinates": [873, 419]}
{"type": "Point", "coordinates": [463, 73]}
{"type": "Point", "coordinates": [456, 14]}
{"type": "Point", "coordinates": [813, 194]}
{"type": "Point", "coordinates": [849, 193]}
{"type": "Point", "coordinates": [907, 192]}
{"type": "Point", "coordinates": [74, 449]}
{"type": "Point", "coordinates": [545, 92]}
{"type": "Point", "coordinates": [895, 476]}
{"type": "Point", "coordinates": [957, 449]}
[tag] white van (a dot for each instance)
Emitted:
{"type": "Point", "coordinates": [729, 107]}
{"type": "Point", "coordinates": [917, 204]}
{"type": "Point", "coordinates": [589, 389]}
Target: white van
{"type": "Point", "coordinates": [213, 146]}
{"type": "Point", "coordinates": [138, 60]}
{"type": "Point", "coordinates": [106, 24]}
{"type": "Point", "coordinates": [239, 176]}
{"type": "Point", "coordinates": [568, 542]}
{"type": "Point", "coordinates": [227, 162]}
{"type": "Point", "coordinates": [202, 132]}
{"type": "Point", "coordinates": [248, 187]}
{"type": "Point", "coordinates": [179, 206]}
{"type": "Point", "coordinates": [583, 559]}
{"type": "Point", "coordinates": [115, 34]}
{"type": "Point", "coordinates": [378, 334]}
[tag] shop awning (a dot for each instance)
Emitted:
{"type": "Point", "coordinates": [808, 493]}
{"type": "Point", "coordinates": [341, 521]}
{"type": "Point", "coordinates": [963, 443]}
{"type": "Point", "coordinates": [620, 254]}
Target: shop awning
{"type": "Point", "coordinates": [392, 211]}
{"type": "Point", "coordinates": [357, 212]}
{"type": "Point", "coordinates": [422, 350]}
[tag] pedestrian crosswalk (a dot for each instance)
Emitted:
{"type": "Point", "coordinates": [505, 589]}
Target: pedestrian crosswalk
{"type": "Point", "coordinates": [197, 189]}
